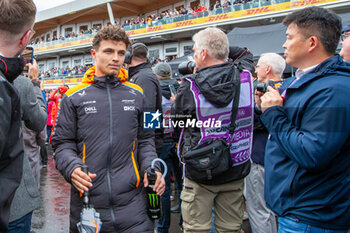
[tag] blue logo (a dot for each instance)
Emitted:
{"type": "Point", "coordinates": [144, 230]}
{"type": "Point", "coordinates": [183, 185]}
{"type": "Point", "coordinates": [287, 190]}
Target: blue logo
{"type": "Point", "coordinates": [151, 120]}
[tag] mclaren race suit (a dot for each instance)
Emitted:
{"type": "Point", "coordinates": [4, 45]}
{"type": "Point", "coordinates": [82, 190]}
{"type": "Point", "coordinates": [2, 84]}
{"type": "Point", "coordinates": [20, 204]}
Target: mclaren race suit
{"type": "Point", "coordinates": [104, 114]}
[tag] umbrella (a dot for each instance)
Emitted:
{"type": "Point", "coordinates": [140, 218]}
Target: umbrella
{"type": "Point", "coordinates": [90, 221]}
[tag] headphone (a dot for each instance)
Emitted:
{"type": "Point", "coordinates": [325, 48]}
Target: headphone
{"type": "Point", "coordinates": [131, 50]}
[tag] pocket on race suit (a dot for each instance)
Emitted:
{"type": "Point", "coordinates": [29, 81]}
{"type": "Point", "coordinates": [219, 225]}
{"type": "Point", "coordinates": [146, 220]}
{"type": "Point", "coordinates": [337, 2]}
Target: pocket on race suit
{"type": "Point", "coordinates": [188, 206]}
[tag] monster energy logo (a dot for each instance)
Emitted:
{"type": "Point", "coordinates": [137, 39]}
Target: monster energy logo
{"type": "Point", "coordinates": [153, 200]}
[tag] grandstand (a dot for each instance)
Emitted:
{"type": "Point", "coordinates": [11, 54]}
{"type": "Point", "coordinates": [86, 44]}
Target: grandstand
{"type": "Point", "coordinates": [64, 34]}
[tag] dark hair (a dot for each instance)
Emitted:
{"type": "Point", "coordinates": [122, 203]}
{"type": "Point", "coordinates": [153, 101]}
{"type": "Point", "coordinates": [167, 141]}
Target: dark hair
{"type": "Point", "coordinates": [319, 22]}
{"type": "Point", "coordinates": [110, 32]}
{"type": "Point", "coordinates": [16, 15]}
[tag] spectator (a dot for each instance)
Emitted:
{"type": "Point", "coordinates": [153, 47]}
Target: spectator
{"type": "Point", "coordinates": [307, 154]}
{"type": "Point", "coordinates": [217, 4]}
{"type": "Point", "coordinates": [27, 197]}
{"type": "Point", "coordinates": [164, 74]}
{"type": "Point", "coordinates": [227, 4]}
{"type": "Point", "coordinates": [16, 23]}
{"type": "Point", "coordinates": [56, 97]}
{"type": "Point", "coordinates": [140, 73]}
{"type": "Point", "coordinates": [190, 11]}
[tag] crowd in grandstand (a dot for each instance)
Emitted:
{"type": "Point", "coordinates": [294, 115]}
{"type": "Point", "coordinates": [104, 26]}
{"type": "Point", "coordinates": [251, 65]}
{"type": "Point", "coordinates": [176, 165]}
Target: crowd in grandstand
{"type": "Point", "coordinates": [80, 70]}
{"type": "Point", "coordinates": [149, 20]}
{"type": "Point", "coordinates": [56, 72]}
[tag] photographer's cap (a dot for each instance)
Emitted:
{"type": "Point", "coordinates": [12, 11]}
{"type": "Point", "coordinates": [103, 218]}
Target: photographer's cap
{"type": "Point", "coordinates": [346, 28]}
{"type": "Point", "coordinates": [162, 69]}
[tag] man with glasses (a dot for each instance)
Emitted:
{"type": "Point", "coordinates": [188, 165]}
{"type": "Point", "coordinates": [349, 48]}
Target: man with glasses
{"type": "Point", "coordinates": [307, 155]}
{"type": "Point", "coordinates": [16, 20]}
{"type": "Point", "coordinates": [345, 42]}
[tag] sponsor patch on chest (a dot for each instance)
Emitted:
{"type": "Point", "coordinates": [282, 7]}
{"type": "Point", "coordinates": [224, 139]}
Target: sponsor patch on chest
{"type": "Point", "coordinates": [90, 109]}
{"type": "Point", "coordinates": [129, 108]}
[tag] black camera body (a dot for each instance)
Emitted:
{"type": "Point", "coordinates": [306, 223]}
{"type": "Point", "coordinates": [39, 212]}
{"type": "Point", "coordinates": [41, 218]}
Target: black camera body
{"type": "Point", "coordinates": [262, 87]}
{"type": "Point", "coordinates": [186, 67]}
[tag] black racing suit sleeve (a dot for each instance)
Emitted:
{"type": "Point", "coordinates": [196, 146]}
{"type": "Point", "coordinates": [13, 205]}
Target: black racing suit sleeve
{"type": "Point", "coordinates": [5, 113]}
{"type": "Point", "coordinates": [64, 141]}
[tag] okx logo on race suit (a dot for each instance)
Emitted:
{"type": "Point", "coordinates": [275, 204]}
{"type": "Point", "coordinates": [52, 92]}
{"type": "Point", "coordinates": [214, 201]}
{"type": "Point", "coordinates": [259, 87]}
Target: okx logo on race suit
{"type": "Point", "coordinates": [151, 120]}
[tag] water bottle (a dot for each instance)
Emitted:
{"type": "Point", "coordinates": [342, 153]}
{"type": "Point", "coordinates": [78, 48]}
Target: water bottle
{"type": "Point", "coordinates": [153, 200]}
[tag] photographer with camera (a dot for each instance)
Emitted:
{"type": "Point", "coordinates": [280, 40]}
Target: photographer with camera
{"type": "Point", "coordinates": [33, 107]}
{"type": "Point", "coordinates": [270, 67]}
{"type": "Point", "coordinates": [214, 92]}
{"type": "Point", "coordinates": [16, 29]}
{"type": "Point", "coordinates": [269, 71]}
{"type": "Point", "coordinates": [307, 153]}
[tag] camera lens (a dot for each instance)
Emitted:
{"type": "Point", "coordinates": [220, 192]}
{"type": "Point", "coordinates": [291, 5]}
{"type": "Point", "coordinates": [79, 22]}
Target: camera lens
{"type": "Point", "coordinates": [186, 67]}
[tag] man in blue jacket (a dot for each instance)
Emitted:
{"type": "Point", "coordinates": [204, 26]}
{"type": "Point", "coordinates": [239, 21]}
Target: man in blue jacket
{"type": "Point", "coordinates": [307, 159]}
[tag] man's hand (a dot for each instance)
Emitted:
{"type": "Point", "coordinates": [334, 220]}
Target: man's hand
{"type": "Point", "coordinates": [172, 97]}
{"type": "Point", "coordinates": [159, 186]}
{"type": "Point", "coordinates": [257, 96]}
{"type": "Point", "coordinates": [270, 99]}
{"type": "Point", "coordinates": [33, 70]}
{"type": "Point", "coordinates": [81, 181]}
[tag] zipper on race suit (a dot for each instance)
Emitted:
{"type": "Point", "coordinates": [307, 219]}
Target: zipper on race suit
{"type": "Point", "coordinates": [110, 151]}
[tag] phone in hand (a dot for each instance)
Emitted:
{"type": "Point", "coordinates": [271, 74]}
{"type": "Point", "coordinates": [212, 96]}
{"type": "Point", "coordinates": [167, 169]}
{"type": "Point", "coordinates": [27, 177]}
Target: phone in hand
{"type": "Point", "coordinates": [28, 55]}
{"type": "Point", "coordinates": [172, 89]}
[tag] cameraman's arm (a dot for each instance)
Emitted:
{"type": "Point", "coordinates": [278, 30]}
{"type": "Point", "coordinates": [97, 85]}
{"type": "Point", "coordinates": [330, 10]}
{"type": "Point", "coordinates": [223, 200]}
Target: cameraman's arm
{"type": "Point", "coordinates": [32, 103]}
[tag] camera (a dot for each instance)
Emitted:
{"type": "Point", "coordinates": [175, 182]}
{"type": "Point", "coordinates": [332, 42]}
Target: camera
{"type": "Point", "coordinates": [187, 67]}
{"type": "Point", "coordinates": [262, 87]}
